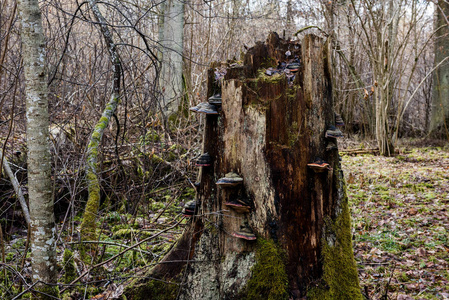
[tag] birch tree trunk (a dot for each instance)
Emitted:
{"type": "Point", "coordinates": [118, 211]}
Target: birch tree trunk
{"type": "Point", "coordinates": [268, 132]}
{"type": "Point", "coordinates": [439, 125]}
{"type": "Point", "coordinates": [172, 56]}
{"type": "Point", "coordinates": [43, 231]}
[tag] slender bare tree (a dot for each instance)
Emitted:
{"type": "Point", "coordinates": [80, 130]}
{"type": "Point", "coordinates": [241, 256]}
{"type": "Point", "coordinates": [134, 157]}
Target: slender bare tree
{"type": "Point", "coordinates": [43, 239]}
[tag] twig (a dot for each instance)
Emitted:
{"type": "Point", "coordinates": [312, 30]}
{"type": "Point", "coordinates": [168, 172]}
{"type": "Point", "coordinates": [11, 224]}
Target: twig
{"type": "Point", "coordinates": [27, 245]}
{"type": "Point", "coordinates": [2, 246]}
{"type": "Point", "coordinates": [385, 295]}
{"type": "Point", "coordinates": [310, 27]}
{"type": "Point", "coordinates": [121, 253]}
{"type": "Point", "coordinates": [108, 243]}
{"type": "Point", "coordinates": [29, 288]}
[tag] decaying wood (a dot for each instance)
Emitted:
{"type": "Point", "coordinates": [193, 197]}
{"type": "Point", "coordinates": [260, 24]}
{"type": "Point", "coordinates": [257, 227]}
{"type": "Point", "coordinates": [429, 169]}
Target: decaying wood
{"type": "Point", "coordinates": [267, 132]}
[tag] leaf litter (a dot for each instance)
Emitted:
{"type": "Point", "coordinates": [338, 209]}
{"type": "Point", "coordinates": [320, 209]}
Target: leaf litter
{"type": "Point", "coordinates": [399, 209]}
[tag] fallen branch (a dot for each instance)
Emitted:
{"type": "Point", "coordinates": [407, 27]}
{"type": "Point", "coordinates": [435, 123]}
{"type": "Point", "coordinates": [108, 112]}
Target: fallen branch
{"type": "Point", "coordinates": [15, 183]}
{"type": "Point", "coordinates": [360, 151]}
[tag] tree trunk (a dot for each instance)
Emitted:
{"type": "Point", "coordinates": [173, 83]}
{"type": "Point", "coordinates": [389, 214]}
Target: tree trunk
{"type": "Point", "coordinates": [172, 56]}
{"type": "Point", "coordinates": [43, 231]}
{"type": "Point", "coordinates": [268, 132]}
{"type": "Point", "coordinates": [88, 225]}
{"type": "Point", "coordinates": [290, 26]}
{"type": "Point", "coordinates": [439, 125]}
{"type": "Point", "coordinates": [383, 73]}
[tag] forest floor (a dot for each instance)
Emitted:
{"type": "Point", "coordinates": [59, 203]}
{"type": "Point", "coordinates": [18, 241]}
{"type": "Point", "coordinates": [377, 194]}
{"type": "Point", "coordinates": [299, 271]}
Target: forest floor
{"type": "Point", "coordinates": [399, 208]}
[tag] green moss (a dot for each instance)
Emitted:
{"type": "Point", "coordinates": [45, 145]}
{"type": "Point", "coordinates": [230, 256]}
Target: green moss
{"type": "Point", "coordinates": [88, 225]}
{"type": "Point", "coordinates": [173, 152]}
{"type": "Point", "coordinates": [269, 279]}
{"type": "Point", "coordinates": [340, 278]}
{"type": "Point", "coordinates": [153, 289]}
{"type": "Point", "coordinates": [293, 134]}
{"type": "Point", "coordinates": [174, 119]}
{"type": "Point", "coordinates": [47, 292]}
{"type": "Point", "coordinates": [155, 159]}
{"type": "Point", "coordinates": [151, 136]}
{"type": "Point", "coordinates": [103, 122]}
{"type": "Point", "coordinates": [69, 266]}
{"type": "Point", "coordinates": [96, 136]}
{"type": "Point", "coordinates": [269, 79]}
{"type": "Point", "coordinates": [113, 217]}
{"type": "Point", "coordinates": [130, 232]}
{"type": "Point", "coordinates": [19, 243]}
{"type": "Point", "coordinates": [162, 248]}
{"type": "Point", "coordinates": [9, 257]}
{"type": "Point", "coordinates": [268, 62]}
{"type": "Point", "coordinates": [188, 192]}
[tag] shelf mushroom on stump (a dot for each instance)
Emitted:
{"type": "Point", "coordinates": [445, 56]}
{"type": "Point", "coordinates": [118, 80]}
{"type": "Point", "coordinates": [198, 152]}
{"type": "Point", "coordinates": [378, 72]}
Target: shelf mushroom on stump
{"type": "Point", "coordinates": [269, 130]}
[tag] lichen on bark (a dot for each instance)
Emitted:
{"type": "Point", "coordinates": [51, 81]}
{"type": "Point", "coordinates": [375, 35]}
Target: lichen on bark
{"type": "Point", "coordinates": [42, 224]}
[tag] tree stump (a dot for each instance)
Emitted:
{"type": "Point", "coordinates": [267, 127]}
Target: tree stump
{"type": "Point", "coordinates": [268, 131]}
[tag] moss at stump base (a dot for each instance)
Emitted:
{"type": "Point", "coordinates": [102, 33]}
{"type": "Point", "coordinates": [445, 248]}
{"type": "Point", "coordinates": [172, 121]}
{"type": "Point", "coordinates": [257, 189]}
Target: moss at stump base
{"type": "Point", "coordinates": [340, 279]}
{"type": "Point", "coordinates": [269, 279]}
{"type": "Point", "coordinates": [153, 289]}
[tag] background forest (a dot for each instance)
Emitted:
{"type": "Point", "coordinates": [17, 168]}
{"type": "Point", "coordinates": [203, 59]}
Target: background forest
{"type": "Point", "coordinates": [151, 60]}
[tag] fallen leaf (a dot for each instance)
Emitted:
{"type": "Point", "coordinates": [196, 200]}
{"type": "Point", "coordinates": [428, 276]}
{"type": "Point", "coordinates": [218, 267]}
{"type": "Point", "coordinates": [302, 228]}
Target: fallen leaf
{"type": "Point", "coordinates": [412, 211]}
{"type": "Point", "coordinates": [375, 251]}
{"type": "Point", "coordinates": [421, 252]}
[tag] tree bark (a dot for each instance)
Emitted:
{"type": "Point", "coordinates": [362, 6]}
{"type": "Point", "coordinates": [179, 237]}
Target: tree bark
{"type": "Point", "coordinates": [267, 131]}
{"type": "Point", "coordinates": [172, 56]}
{"type": "Point", "coordinates": [43, 231]}
{"type": "Point", "coordinates": [383, 73]}
{"type": "Point", "coordinates": [440, 101]}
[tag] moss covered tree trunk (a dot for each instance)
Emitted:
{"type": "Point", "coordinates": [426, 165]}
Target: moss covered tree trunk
{"type": "Point", "coordinates": [88, 225]}
{"type": "Point", "coordinates": [267, 132]}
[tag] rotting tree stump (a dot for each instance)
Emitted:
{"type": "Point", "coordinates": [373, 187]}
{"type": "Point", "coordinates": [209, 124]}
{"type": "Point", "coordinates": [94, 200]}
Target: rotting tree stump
{"type": "Point", "coordinates": [267, 132]}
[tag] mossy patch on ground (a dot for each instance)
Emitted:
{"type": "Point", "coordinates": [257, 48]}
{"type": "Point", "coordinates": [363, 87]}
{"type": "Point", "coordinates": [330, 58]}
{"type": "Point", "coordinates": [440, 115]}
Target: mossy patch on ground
{"type": "Point", "coordinates": [153, 289]}
{"type": "Point", "coordinates": [69, 266]}
{"type": "Point", "coordinates": [46, 292]}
